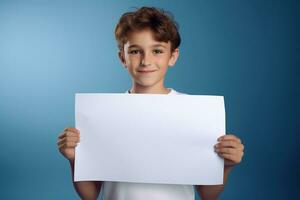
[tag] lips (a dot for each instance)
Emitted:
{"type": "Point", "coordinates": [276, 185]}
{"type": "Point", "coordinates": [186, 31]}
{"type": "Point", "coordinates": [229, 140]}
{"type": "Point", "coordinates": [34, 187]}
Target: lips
{"type": "Point", "coordinates": [146, 71]}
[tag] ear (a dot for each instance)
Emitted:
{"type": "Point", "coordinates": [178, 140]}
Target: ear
{"type": "Point", "coordinates": [122, 58]}
{"type": "Point", "coordinates": [174, 57]}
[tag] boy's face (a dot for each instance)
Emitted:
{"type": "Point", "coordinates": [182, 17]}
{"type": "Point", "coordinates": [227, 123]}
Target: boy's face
{"type": "Point", "coordinates": [146, 59]}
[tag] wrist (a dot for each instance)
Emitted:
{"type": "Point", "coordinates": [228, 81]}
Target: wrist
{"type": "Point", "coordinates": [228, 168]}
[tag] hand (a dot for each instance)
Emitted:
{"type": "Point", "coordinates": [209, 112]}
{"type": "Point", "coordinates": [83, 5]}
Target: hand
{"type": "Point", "coordinates": [67, 141]}
{"type": "Point", "coordinates": [231, 149]}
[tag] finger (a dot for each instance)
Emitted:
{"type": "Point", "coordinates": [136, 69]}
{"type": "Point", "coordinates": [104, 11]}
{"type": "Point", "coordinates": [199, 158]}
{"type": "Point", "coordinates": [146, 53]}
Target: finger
{"type": "Point", "coordinates": [238, 155]}
{"type": "Point", "coordinates": [229, 137]}
{"type": "Point", "coordinates": [71, 144]}
{"type": "Point", "coordinates": [67, 145]}
{"type": "Point", "coordinates": [233, 144]}
{"type": "Point", "coordinates": [60, 141]}
{"type": "Point", "coordinates": [231, 157]}
{"type": "Point", "coordinates": [68, 139]}
{"type": "Point", "coordinates": [242, 147]}
{"type": "Point", "coordinates": [227, 151]}
{"type": "Point", "coordinates": [62, 135]}
{"type": "Point", "coordinates": [221, 137]}
{"type": "Point", "coordinates": [66, 132]}
{"type": "Point", "coordinates": [229, 143]}
{"type": "Point", "coordinates": [72, 130]}
{"type": "Point", "coordinates": [71, 134]}
{"type": "Point", "coordinates": [242, 154]}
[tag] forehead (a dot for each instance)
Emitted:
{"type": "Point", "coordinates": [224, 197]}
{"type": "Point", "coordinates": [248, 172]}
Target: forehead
{"type": "Point", "coordinates": [143, 38]}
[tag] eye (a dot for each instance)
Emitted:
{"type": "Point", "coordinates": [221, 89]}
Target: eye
{"type": "Point", "coordinates": [135, 51]}
{"type": "Point", "coordinates": [157, 51]}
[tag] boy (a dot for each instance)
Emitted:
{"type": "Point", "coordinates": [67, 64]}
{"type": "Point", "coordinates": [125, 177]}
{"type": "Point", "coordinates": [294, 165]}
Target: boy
{"type": "Point", "coordinates": [148, 42]}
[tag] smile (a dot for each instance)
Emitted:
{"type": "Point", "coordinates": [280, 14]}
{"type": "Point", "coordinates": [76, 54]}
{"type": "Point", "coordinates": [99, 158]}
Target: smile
{"type": "Point", "coordinates": [146, 71]}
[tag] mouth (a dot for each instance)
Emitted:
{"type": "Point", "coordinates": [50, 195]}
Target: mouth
{"type": "Point", "coordinates": [146, 71]}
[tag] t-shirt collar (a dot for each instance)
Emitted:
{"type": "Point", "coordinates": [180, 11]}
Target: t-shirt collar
{"type": "Point", "coordinates": [171, 92]}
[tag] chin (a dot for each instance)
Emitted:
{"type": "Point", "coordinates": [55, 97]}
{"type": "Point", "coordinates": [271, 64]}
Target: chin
{"type": "Point", "coordinates": [146, 83]}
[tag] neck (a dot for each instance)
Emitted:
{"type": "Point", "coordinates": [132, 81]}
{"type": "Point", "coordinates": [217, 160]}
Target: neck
{"type": "Point", "coordinates": [155, 89]}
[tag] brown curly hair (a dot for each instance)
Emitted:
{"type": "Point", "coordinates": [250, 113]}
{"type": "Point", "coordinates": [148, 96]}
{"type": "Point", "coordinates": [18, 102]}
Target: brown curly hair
{"type": "Point", "coordinates": [161, 22]}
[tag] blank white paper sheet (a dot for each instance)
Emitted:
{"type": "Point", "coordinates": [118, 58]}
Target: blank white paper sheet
{"type": "Point", "coordinates": [149, 138]}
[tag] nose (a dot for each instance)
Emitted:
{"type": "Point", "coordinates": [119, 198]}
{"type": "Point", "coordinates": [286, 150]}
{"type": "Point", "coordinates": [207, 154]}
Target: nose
{"type": "Point", "coordinates": [146, 59]}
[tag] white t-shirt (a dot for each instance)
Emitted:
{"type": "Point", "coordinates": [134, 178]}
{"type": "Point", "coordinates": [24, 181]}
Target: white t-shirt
{"type": "Point", "coordinates": [147, 191]}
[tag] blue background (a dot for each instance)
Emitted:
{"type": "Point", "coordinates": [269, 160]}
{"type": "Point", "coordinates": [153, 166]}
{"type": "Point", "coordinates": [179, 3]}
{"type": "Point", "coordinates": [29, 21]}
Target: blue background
{"type": "Point", "coordinates": [247, 51]}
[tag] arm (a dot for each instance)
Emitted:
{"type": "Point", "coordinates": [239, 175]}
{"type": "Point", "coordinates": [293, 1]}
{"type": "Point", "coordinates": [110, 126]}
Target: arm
{"type": "Point", "coordinates": [87, 190]}
{"type": "Point", "coordinates": [212, 192]}
{"type": "Point", "coordinates": [67, 141]}
{"type": "Point", "coordinates": [232, 150]}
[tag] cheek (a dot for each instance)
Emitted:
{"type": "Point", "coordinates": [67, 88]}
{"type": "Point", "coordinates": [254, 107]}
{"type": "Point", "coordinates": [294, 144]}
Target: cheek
{"type": "Point", "coordinates": [133, 60]}
{"type": "Point", "coordinates": [163, 61]}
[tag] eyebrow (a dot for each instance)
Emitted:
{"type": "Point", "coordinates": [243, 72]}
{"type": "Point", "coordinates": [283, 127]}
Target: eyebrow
{"type": "Point", "coordinates": [155, 45]}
